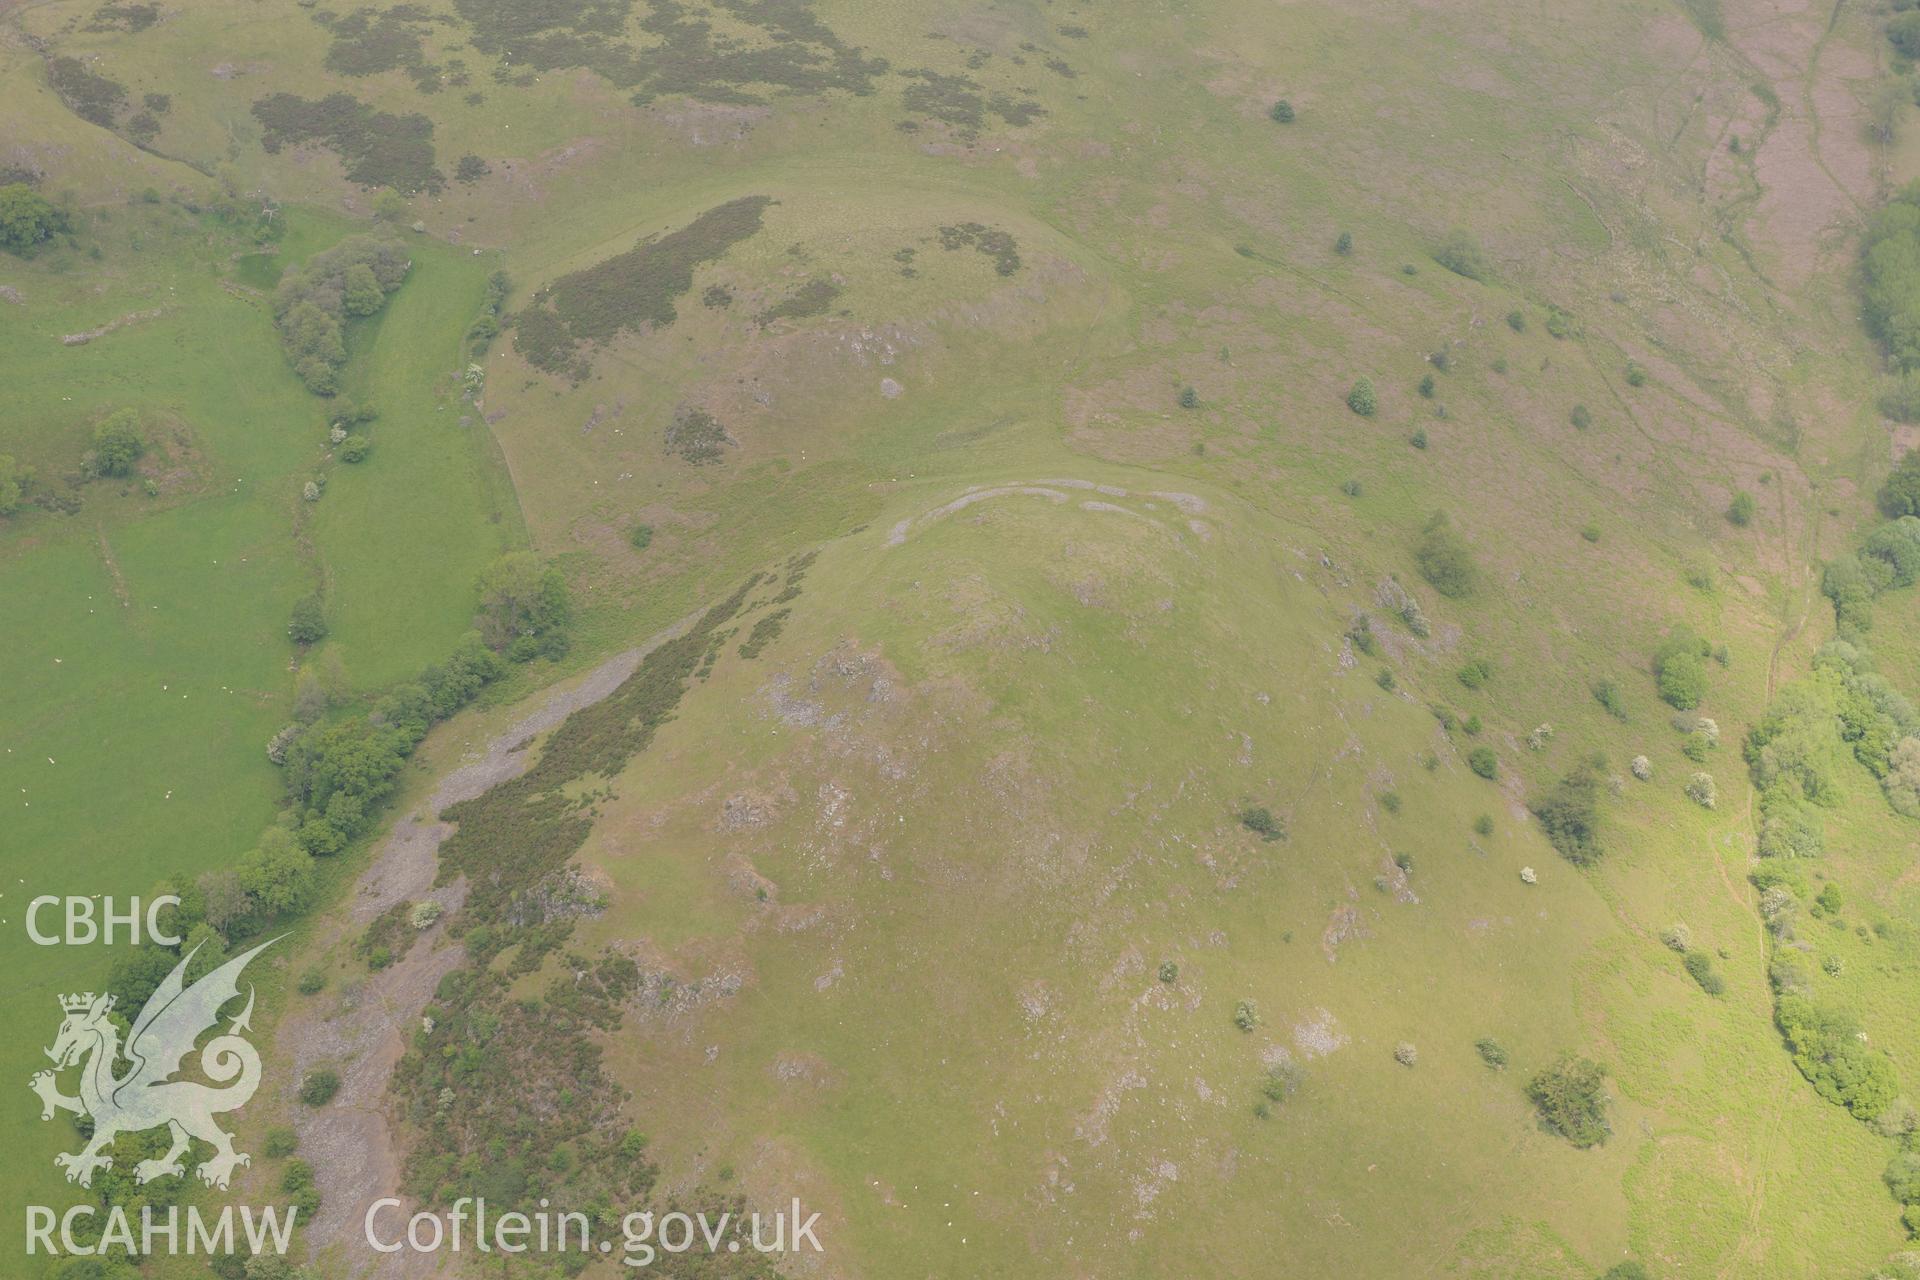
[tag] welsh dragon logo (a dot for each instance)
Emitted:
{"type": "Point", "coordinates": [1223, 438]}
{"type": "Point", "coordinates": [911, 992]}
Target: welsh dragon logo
{"type": "Point", "coordinates": [148, 1095]}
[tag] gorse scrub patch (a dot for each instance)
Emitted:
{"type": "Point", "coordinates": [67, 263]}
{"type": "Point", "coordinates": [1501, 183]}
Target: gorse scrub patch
{"type": "Point", "coordinates": [1461, 254]}
{"type": "Point", "coordinates": [378, 149]}
{"type": "Point", "coordinates": [1261, 822]}
{"type": "Point", "coordinates": [1571, 1096]}
{"type": "Point", "coordinates": [1699, 967]}
{"type": "Point", "coordinates": [1444, 559]}
{"type": "Point", "coordinates": [318, 1087]}
{"type": "Point", "coordinates": [1570, 815]}
{"type": "Point", "coordinates": [628, 291]}
{"type": "Point", "coordinates": [1607, 694]}
{"type": "Point", "coordinates": [1362, 399]}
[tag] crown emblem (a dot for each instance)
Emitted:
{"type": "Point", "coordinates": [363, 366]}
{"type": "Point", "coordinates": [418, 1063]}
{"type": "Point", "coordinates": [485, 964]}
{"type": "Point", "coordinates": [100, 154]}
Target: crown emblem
{"type": "Point", "coordinates": [81, 1003]}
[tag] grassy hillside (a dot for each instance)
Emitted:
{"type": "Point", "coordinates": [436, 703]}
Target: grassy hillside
{"type": "Point", "coordinates": [940, 860]}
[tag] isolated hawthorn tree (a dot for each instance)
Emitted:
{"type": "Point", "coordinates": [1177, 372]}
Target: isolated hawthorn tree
{"type": "Point", "coordinates": [117, 444]}
{"type": "Point", "coordinates": [26, 217]}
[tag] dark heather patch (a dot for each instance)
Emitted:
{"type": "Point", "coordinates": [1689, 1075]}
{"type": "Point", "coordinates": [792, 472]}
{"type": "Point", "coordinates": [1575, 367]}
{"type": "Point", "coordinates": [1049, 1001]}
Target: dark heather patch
{"type": "Point", "coordinates": [94, 98]}
{"type": "Point", "coordinates": [500, 1081]}
{"type": "Point", "coordinates": [764, 633]}
{"type": "Point", "coordinates": [963, 102]}
{"type": "Point", "coordinates": [378, 149]}
{"type": "Point", "coordinates": [810, 299]}
{"type": "Point", "coordinates": [994, 243]}
{"type": "Point", "coordinates": [522, 831]}
{"type": "Point", "coordinates": [130, 18]}
{"type": "Point", "coordinates": [793, 52]}
{"type": "Point", "coordinates": [697, 436]}
{"type": "Point", "coordinates": [627, 292]}
{"type": "Point", "coordinates": [369, 41]}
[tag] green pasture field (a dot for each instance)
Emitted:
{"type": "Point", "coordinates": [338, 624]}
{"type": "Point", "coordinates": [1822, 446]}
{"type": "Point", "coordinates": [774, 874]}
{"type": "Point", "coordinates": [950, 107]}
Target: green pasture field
{"type": "Point", "coordinates": [147, 634]}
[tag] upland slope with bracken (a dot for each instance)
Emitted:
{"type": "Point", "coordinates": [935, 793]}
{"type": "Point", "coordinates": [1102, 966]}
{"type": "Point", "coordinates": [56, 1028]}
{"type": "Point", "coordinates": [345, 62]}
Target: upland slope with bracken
{"type": "Point", "coordinates": [1185, 623]}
